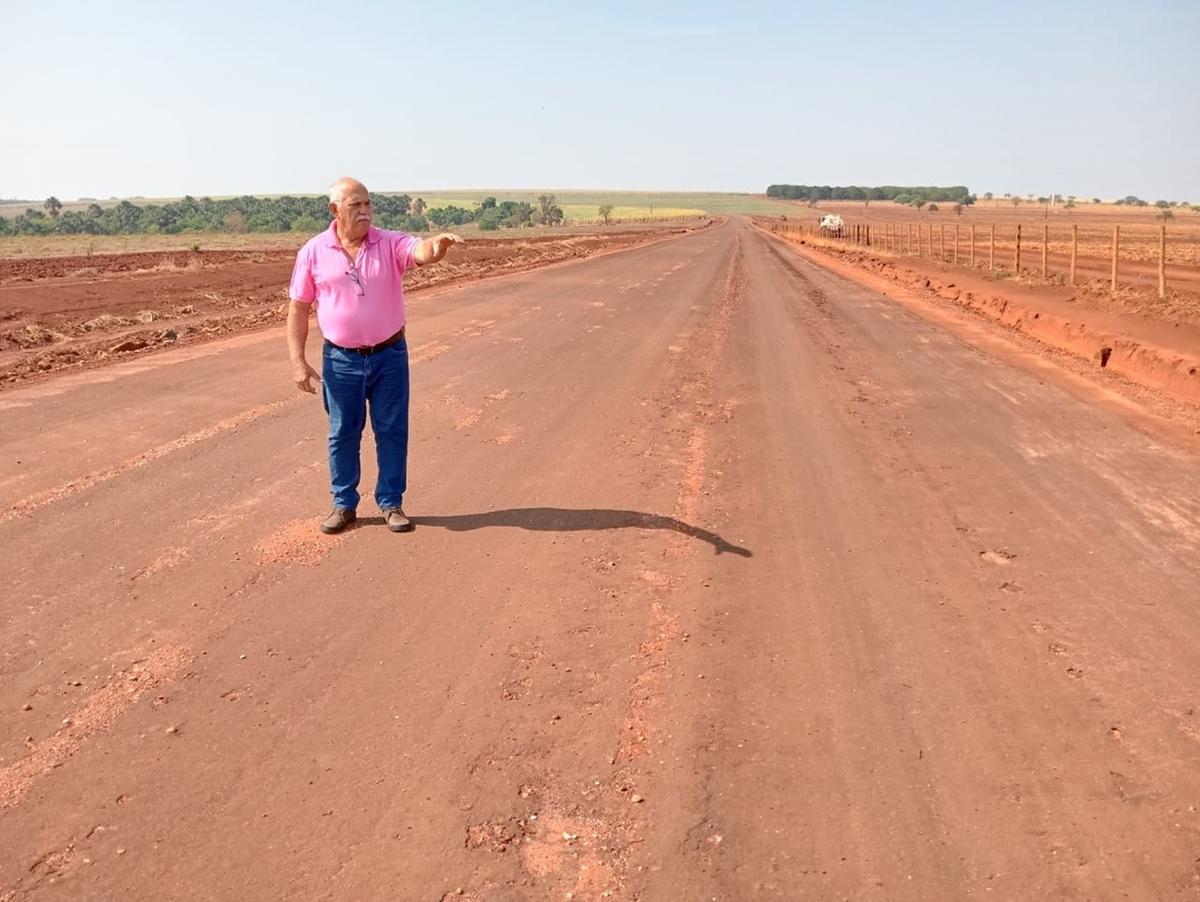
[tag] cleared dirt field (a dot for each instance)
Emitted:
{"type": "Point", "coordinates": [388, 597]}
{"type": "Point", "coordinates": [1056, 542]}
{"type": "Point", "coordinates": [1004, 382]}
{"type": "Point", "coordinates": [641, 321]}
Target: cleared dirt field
{"type": "Point", "coordinates": [1138, 241]}
{"type": "Point", "coordinates": [71, 311]}
{"type": "Point", "coordinates": [732, 578]}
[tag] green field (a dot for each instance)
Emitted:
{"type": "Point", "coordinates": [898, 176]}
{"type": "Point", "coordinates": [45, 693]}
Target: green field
{"type": "Point", "coordinates": [584, 205]}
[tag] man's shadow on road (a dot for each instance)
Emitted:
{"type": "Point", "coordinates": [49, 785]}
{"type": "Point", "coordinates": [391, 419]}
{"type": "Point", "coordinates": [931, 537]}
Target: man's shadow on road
{"type": "Point", "coordinates": [559, 519]}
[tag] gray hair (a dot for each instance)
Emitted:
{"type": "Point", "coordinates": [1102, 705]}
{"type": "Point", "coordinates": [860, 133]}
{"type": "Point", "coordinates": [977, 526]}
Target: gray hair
{"type": "Point", "coordinates": [337, 190]}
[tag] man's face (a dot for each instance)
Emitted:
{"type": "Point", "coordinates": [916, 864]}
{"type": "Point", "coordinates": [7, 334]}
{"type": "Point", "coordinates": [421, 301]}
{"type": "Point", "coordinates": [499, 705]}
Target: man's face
{"type": "Point", "coordinates": [353, 214]}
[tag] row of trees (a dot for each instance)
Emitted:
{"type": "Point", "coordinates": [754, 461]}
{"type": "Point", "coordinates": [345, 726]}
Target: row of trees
{"type": "Point", "coordinates": [953, 193]}
{"type": "Point", "coordinates": [919, 200]}
{"type": "Point", "coordinates": [956, 194]}
{"type": "Point", "coordinates": [1131, 200]}
{"type": "Point", "coordinates": [269, 214]}
{"type": "Point", "coordinates": [1165, 208]}
{"type": "Point", "coordinates": [513, 214]}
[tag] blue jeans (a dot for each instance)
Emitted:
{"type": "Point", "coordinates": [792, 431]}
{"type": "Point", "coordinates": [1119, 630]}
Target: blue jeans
{"type": "Point", "coordinates": [351, 382]}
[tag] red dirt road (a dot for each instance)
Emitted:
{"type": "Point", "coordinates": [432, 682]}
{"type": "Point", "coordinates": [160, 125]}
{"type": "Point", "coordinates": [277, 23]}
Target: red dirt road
{"type": "Point", "coordinates": [731, 579]}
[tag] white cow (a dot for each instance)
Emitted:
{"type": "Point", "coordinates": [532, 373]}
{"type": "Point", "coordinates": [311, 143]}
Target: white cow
{"type": "Point", "coordinates": [832, 225]}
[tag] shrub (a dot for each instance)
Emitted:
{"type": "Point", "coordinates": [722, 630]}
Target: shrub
{"type": "Point", "coordinates": [308, 224]}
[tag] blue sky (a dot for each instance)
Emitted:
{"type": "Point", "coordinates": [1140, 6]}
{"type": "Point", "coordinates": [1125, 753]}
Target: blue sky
{"type": "Point", "coordinates": [167, 98]}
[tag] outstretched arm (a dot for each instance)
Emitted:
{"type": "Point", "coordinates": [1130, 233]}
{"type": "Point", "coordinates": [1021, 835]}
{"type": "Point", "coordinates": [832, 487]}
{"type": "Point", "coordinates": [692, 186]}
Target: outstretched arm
{"type": "Point", "coordinates": [431, 250]}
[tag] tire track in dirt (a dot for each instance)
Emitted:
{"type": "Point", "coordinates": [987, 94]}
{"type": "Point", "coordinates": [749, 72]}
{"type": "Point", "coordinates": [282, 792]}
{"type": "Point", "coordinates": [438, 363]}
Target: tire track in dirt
{"type": "Point", "coordinates": [587, 856]}
{"type": "Point", "coordinates": [98, 714]}
{"type": "Point", "coordinates": [35, 502]}
{"type": "Point", "coordinates": [646, 694]}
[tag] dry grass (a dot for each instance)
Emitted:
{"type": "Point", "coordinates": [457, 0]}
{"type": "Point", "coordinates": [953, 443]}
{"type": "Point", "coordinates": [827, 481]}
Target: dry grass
{"type": "Point", "coordinates": [32, 335]}
{"type": "Point", "coordinates": [86, 245]}
{"type": "Point", "coordinates": [106, 322]}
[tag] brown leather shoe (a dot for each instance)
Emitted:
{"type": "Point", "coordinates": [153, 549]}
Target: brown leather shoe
{"type": "Point", "coordinates": [396, 521]}
{"type": "Point", "coordinates": [338, 520]}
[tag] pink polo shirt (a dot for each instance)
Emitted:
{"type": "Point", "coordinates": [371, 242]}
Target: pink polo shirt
{"type": "Point", "coordinates": [355, 313]}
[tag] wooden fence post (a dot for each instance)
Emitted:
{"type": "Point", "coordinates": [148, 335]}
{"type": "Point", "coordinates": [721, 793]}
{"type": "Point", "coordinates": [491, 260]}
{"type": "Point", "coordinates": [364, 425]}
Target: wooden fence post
{"type": "Point", "coordinates": [1018, 248]}
{"type": "Point", "coordinates": [1074, 250]}
{"type": "Point", "coordinates": [956, 244]}
{"type": "Point", "coordinates": [868, 236]}
{"type": "Point", "coordinates": [1116, 246]}
{"type": "Point", "coordinates": [1045, 244]}
{"type": "Point", "coordinates": [992, 252]}
{"type": "Point", "coordinates": [972, 245]}
{"type": "Point", "coordinates": [1162, 262]}
{"type": "Point", "coordinates": [942, 239]}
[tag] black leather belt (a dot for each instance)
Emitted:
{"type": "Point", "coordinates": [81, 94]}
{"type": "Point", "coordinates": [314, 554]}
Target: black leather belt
{"type": "Point", "coordinates": [372, 349]}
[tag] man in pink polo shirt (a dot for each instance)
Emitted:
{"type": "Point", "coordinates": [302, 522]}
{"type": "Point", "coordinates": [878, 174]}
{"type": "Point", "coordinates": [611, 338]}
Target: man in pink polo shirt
{"type": "Point", "coordinates": [354, 273]}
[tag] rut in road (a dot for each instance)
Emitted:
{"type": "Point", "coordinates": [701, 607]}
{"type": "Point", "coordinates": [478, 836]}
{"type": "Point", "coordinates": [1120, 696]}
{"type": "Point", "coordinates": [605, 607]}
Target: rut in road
{"type": "Point", "coordinates": [589, 855]}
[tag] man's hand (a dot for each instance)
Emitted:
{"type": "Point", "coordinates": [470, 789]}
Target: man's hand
{"type": "Point", "coordinates": [442, 242]}
{"type": "Point", "coordinates": [431, 250]}
{"type": "Point", "coordinates": [303, 375]}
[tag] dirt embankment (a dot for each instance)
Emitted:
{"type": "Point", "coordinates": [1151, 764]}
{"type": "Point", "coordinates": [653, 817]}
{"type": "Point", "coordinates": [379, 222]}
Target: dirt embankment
{"type": "Point", "coordinates": [82, 311]}
{"type": "Point", "coordinates": [1154, 343]}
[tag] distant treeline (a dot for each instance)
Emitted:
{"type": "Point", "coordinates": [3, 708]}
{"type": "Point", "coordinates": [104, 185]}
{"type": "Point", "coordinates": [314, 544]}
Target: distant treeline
{"type": "Point", "coordinates": [306, 215]}
{"type": "Point", "coordinates": [953, 194]}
